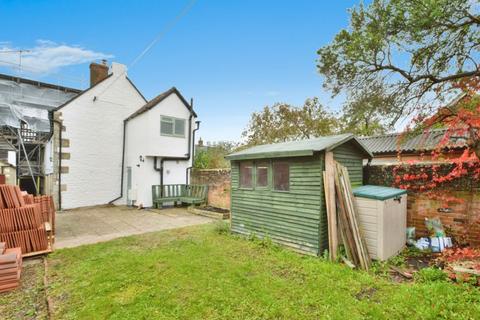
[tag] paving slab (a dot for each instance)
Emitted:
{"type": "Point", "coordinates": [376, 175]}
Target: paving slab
{"type": "Point", "coordinates": [91, 225]}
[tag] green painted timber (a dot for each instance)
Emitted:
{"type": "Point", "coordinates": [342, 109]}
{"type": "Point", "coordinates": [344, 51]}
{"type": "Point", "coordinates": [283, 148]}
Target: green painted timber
{"type": "Point", "coordinates": [293, 217]}
{"type": "Point", "coordinates": [296, 218]}
{"type": "Point", "coordinates": [299, 148]}
{"type": "Point", "coordinates": [350, 156]}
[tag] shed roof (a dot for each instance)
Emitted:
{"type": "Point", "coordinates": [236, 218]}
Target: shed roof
{"type": "Point", "coordinates": [388, 143]}
{"type": "Point", "coordinates": [297, 148]}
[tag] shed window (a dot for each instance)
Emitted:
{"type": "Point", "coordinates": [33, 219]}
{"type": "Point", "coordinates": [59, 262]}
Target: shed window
{"type": "Point", "coordinates": [246, 174]}
{"type": "Point", "coordinates": [170, 126]}
{"type": "Point", "coordinates": [281, 176]}
{"type": "Point", "coordinates": [262, 174]}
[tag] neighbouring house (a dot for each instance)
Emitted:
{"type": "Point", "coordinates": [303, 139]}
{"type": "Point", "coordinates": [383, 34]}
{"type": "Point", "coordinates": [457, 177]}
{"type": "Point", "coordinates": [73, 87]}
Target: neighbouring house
{"type": "Point", "coordinates": [96, 144]}
{"type": "Point", "coordinates": [277, 189]}
{"type": "Point", "coordinates": [26, 108]}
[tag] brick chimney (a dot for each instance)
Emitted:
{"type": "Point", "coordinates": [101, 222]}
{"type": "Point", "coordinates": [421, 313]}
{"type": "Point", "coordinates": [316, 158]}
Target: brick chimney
{"type": "Point", "coordinates": [98, 72]}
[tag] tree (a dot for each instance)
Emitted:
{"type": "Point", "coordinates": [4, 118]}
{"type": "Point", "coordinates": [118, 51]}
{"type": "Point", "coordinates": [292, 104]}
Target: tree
{"type": "Point", "coordinates": [283, 122]}
{"type": "Point", "coordinates": [423, 53]}
{"type": "Point", "coordinates": [213, 155]}
{"type": "Point", "coordinates": [460, 119]}
{"type": "Point", "coordinates": [416, 48]}
{"type": "Point", "coordinates": [367, 112]}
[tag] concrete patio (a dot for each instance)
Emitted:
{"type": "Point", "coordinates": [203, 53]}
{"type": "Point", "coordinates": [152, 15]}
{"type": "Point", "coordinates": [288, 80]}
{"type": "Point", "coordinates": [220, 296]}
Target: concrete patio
{"type": "Point", "coordinates": [91, 225]}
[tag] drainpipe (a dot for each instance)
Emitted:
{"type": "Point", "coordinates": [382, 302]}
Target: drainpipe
{"type": "Point", "coordinates": [193, 150]}
{"type": "Point", "coordinates": [123, 162]}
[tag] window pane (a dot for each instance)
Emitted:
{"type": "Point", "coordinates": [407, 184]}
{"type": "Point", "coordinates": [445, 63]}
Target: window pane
{"type": "Point", "coordinates": [281, 176]}
{"type": "Point", "coordinates": [166, 125]}
{"type": "Point", "coordinates": [180, 127]}
{"type": "Point", "coordinates": [262, 174]}
{"type": "Point", "coordinates": [246, 170]}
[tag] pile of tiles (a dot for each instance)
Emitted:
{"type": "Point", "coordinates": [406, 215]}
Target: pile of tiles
{"type": "Point", "coordinates": [22, 221]}
{"type": "Point", "coordinates": [10, 267]}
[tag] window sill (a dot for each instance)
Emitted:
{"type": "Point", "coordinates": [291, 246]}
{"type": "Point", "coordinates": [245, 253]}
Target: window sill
{"type": "Point", "coordinates": [172, 135]}
{"type": "Point", "coordinates": [281, 191]}
{"type": "Point", "coordinates": [245, 188]}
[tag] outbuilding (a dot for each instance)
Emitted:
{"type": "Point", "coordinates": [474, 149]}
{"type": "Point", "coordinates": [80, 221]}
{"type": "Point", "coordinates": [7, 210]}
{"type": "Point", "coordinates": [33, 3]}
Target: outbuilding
{"type": "Point", "coordinates": [277, 189]}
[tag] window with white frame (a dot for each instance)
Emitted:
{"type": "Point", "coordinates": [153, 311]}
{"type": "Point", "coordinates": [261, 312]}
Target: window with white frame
{"type": "Point", "coordinates": [170, 126]}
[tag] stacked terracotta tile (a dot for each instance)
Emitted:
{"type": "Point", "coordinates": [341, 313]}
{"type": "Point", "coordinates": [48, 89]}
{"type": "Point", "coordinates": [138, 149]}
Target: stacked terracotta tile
{"type": "Point", "coordinates": [47, 207]}
{"type": "Point", "coordinates": [21, 224]}
{"type": "Point", "coordinates": [10, 267]}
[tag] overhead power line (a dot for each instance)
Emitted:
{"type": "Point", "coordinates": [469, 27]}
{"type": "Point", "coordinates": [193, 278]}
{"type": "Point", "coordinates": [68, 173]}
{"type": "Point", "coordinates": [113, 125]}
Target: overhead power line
{"type": "Point", "coordinates": [162, 33]}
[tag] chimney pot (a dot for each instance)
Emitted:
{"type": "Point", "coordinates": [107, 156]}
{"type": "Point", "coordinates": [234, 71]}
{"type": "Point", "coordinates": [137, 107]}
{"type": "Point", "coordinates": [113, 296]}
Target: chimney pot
{"type": "Point", "coordinates": [98, 72]}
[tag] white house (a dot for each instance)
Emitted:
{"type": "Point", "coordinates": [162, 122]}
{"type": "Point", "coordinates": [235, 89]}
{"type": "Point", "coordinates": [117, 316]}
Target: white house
{"type": "Point", "coordinates": [111, 138]}
{"type": "Point", "coordinates": [159, 143]}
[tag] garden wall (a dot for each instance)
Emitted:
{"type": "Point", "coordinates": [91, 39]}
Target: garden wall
{"type": "Point", "coordinates": [218, 181]}
{"type": "Point", "coordinates": [460, 217]}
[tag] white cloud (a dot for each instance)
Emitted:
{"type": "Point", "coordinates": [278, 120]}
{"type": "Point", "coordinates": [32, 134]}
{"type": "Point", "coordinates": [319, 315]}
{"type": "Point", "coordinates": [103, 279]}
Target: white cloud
{"type": "Point", "coordinates": [47, 56]}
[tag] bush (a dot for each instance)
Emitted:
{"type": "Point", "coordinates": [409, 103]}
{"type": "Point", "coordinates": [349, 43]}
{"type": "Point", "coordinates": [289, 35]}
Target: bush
{"type": "Point", "coordinates": [431, 274]}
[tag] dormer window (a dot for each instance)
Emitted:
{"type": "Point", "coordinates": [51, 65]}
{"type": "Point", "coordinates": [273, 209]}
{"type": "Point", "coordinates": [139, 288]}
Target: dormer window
{"type": "Point", "coordinates": [173, 127]}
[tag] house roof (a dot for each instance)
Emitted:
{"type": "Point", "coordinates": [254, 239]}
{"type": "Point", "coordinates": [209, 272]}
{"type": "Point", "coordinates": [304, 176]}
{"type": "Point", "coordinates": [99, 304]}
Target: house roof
{"type": "Point", "coordinates": [297, 148]}
{"type": "Point", "coordinates": [426, 141]}
{"type": "Point", "coordinates": [38, 83]}
{"type": "Point", "coordinates": [82, 93]}
{"type": "Point", "coordinates": [85, 91]}
{"type": "Point", "coordinates": [155, 101]}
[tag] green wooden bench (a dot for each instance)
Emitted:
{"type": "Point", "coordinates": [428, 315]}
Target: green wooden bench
{"type": "Point", "coordinates": [190, 194]}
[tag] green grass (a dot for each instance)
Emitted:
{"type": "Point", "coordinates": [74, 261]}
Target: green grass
{"type": "Point", "coordinates": [198, 273]}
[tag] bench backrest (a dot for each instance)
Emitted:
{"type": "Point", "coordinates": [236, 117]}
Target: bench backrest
{"type": "Point", "coordinates": [169, 191]}
{"type": "Point", "coordinates": [180, 190]}
{"type": "Point", "coordinates": [197, 191]}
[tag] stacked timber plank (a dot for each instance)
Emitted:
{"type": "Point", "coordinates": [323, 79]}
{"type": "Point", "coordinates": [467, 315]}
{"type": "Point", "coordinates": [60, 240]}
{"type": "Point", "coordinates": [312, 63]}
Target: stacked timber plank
{"type": "Point", "coordinates": [25, 220]}
{"type": "Point", "coordinates": [342, 216]}
{"type": "Point", "coordinates": [10, 267]}
{"type": "Point", "coordinates": [353, 241]}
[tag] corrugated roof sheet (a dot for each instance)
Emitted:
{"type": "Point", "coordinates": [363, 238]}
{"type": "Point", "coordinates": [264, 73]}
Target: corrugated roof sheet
{"type": "Point", "coordinates": [423, 142]}
{"type": "Point", "coordinates": [296, 148]}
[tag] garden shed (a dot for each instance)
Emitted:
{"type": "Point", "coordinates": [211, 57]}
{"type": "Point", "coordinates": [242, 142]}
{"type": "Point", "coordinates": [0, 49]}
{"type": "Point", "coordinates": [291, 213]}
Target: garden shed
{"type": "Point", "coordinates": [277, 189]}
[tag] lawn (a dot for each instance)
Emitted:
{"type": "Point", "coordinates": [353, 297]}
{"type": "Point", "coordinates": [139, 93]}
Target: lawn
{"type": "Point", "coordinates": [199, 273]}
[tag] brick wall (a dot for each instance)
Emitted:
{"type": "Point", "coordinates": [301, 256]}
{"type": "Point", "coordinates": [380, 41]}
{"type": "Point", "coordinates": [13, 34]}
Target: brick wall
{"type": "Point", "coordinates": [218, 181]}
{"type": "Point", "coordinates": [461, 220]}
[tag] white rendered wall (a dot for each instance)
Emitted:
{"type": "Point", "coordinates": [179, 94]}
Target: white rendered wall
{"type": "Point", "coordinates": [48, 158]}
{"type": "Point", "coordinates": [95, 133]}
{"type": "Point", "coordinates": [144, 139]}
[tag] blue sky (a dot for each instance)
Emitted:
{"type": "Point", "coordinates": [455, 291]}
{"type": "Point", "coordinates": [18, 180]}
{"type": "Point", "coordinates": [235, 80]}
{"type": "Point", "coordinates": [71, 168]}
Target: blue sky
{"type": "Point", "coordinates": [233, 57]}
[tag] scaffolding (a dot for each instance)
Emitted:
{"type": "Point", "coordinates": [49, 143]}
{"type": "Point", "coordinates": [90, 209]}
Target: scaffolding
{"type": "Point", "coordinates": [26, 110]}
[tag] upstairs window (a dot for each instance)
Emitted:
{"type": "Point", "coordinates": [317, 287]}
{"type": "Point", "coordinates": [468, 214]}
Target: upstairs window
{"type": "Point", "coordinates": [261, 174]}
{"type": "Point", "coordinates": [246, 174]}
{"type": "Point", "coordinates": [170, 126]}
{"type": "Point", "coordinates": [281, 176]}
